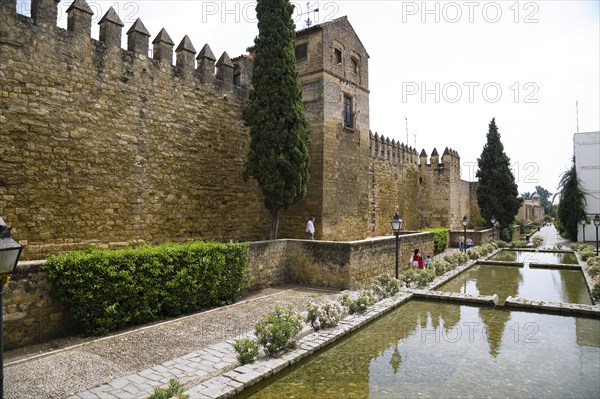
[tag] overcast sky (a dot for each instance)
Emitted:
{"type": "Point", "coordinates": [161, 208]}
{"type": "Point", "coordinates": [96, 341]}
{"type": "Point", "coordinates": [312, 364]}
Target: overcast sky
{"type": "Point", "coordinates": [447, 67]}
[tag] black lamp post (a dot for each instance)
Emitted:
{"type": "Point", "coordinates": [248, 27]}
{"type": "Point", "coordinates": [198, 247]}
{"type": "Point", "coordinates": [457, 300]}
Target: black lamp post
{"type": "Point", "coordinates": [397, 223]}
{"type": "Point", "coordinates": [10, 251]}
{"type": "Point", "coordinates": [597, 223]}
{"type": "Point", "coordinates": [583, 222]}
{"type": "Point", "coordinates": [494, 226]}
{"type": "Point", "coordinates": [465, 222]}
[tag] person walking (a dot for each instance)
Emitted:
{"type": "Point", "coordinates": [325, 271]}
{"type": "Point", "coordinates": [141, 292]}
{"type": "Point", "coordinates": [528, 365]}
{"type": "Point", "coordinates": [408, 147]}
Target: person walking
{"type": "Point", "coordinates": [310, 228]}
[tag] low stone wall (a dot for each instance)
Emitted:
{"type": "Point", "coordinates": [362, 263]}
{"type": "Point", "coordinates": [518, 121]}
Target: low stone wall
{"type": "Point", "coordinates": [32, 316]}
{"type": "Point", "coordinates": [479, 237]}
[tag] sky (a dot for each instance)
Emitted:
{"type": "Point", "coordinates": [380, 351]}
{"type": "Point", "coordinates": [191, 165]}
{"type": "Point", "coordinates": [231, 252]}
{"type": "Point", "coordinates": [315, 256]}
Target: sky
{"type": "Point", "coordinates": [439, 71]}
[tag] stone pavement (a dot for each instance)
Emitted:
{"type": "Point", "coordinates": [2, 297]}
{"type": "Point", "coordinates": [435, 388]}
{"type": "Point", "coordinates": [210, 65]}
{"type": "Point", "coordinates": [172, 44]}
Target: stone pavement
{"type": "Point", "coordinates": [130, 364]}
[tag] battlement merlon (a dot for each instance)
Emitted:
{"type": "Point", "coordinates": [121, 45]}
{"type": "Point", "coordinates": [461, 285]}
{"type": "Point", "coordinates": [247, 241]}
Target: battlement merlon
{"type": "Point", "coordinates": [79, 20]}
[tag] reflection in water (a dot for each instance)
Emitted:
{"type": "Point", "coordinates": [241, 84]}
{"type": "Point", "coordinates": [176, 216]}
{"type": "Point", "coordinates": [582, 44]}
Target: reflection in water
{"type": "Point", "coordinates": [506, 255]}
{"type": "Point", "coordinates": [538, 355]}
{"type": "Point", "coordinates": [558, 285]}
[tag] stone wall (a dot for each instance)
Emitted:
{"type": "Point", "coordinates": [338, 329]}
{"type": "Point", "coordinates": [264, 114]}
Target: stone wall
{"type": "Point", "coordinates": [32, 315]}
{"type": "Point", "coordinates": [107, 146]}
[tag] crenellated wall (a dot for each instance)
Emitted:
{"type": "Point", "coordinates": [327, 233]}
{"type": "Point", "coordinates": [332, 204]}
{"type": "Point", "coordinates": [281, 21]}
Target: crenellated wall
{"type": "Point", "coordinates": [108, 146]}
{"type": "Point", "coordinates": [426, 191]}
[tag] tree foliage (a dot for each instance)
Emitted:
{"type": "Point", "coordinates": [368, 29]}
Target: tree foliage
{"type": "Point", "coordinates": [544, 198]}
{"type": "Point", "coordinates": [571, 208]}
{"type": "Point", "coordinates": [497, 193]}
{"type": "Point", "coordinates": [278, 156]}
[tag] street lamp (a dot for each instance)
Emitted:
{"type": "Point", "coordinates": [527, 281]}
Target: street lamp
{"type": "Point", "coordinates": [465, 222]}
{"type": "Point", "coordinates": [397, 223]}
{"type": "Point", "coordinates": [597, 223]}
{"type": "Point", "coordinates": [583, 222]}
{"type": "Point", "coordinates": [10, 251]}
{"type": "Point", "coordinates": [494, 226]}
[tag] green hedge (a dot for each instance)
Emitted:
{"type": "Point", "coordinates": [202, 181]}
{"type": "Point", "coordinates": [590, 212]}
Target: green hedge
{"type": "Point", "coordinates": [106, 290]}
{"type": "Point", "coordinates": [440, 239]}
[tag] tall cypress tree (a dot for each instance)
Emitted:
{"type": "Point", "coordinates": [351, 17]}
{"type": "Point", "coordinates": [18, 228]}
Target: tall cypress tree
{"type": "Point", "coordinates": [497, 193]}
{"type": "Point", "coordinates": [278, 156]}
{"type": "Point", "coordinates": [571, 208]}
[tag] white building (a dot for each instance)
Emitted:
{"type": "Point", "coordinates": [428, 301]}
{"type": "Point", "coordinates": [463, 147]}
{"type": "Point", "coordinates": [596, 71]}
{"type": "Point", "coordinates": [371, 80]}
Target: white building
{"type": "Point", "coordinates": [586, 147]}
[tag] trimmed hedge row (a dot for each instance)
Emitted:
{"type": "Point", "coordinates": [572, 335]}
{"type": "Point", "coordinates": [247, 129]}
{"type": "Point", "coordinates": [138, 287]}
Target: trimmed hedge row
{"type": "Point", "coordinates": [440, 238]}
{"type": "Point", "coordinates": [106, 290]}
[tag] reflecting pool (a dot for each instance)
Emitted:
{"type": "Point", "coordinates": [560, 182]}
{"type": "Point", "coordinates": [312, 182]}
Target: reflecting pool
{"type": "Point", "coordinates": [535, 257]}
{"type": "Point", "coordinates": [548, 285]}
{"type": "Point", "coordinates": [433, 349]}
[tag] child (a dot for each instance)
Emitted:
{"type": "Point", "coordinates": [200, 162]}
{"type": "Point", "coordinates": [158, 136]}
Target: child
{"type": "Point", "coordinates": [427, 262]}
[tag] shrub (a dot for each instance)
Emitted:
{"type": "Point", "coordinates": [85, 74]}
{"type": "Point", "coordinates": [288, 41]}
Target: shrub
{"type": "Point", "coordinates": [537, 241]}
{"type": "Point", "coordinates": [587, 254]}
{"type": "Point", "coordinates": [594, 270]}
{"type": "Point", "coordinates": [247, 350]}
{"type": "Point", "coordinates": [500, 243]}
{"type": "Point", "coordinates": [441, 267]}
{"type": "Point", "coordinates": [457, 258]}
{"type": "Point", "coordinates": [473, 254]}
{"type": "Point", "coordinates": [596, 291]}
{"type": "Point", "coordinates": [106, 290]}
{"type": "Point", "coordinates": [279, 329]}
{"type": "Point", "coordinates": [360, 304]}
{"type": "Point", "coordinates": [385, 286]}
{"type": "Point", "coordinates": [440, 239]}
{"type": "Point", "coordinates": [518, 244]}
{"type": "Point", "coordinates": [324, 316]}
{"type": "Point", "coordinates": [419, 276]}
{"type": "Point", "coordinates": [175, 389]}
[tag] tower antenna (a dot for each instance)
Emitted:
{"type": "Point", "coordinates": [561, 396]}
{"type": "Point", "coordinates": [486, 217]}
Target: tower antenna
{"type": "Point", "coordinates": [406, 120]}
{"type": "Point", "coordinates": [308, 21]}
{"type": "Point", "coordinates": [577, 114]}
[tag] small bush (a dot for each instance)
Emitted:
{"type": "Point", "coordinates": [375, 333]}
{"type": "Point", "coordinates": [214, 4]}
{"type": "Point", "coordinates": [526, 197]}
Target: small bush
{"type": "Point", "coordinates": [175, 389]}
{"type": "Point", "coordinates": [500, 243]}
{"type": "Point", "coordinates": [587, 254]}
{"type": "Point", "coordinates": [324, 316]}
{"type": "Point", "coordinates": [419, 276]}
{"type": "Point", "coordinates": [441, 267]}
{"type": "Point", "coordinates": [473, 254]}
{"type": "Point", "coordinates": [279, 329]}
{"type": "Point", "coordinates": [537, 241]}
{"type": "Point", "coordinates": [247, 350]}
{"type": "Point", "coordinates": [594, 270]}
{"type": "Point", "coordinates": [385, 286]}
{"type": "Point", "coordinates": [596, 291]}
{"type": "Point", "coordinates": [518, 244]}
{"type": "Point", "coordinates": [360, 304]}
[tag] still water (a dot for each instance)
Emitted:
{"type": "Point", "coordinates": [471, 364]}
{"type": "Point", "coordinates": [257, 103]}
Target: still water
{"type": "Point", "coordinates": [535, 257]}
{"type": "Point", "coordinates": [558, 285]}
{"type": "Point", "coordinates": [432, 349]}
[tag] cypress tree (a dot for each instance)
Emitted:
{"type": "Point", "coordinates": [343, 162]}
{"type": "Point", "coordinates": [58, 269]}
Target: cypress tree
{"type": "Point", "coordinates": [497, 193]}
{"type": "Point", "coordinates": [571, 208]}
{"type": "Point", "coordinates": [278, 157]}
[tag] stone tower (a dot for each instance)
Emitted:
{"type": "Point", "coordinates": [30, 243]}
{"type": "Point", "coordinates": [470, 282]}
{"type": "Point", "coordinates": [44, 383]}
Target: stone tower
{"type": "Point", "coordinates": [333, 68]}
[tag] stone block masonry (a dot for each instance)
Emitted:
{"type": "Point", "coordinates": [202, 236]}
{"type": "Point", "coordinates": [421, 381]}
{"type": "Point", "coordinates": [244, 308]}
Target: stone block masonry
{"type": "Point", "coordinates": [32, 315]}
{"type": "Point", "coordinates": [109, 147]}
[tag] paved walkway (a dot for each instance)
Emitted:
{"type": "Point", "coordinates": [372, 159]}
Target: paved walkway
{"type": "Point", "coordinates": [552, 238]}
{"type": "Point", "coordinates": [131, 364]}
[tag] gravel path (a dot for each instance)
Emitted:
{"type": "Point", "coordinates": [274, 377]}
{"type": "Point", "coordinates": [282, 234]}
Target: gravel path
{"type": "Point", "coordinates": [61, 373]}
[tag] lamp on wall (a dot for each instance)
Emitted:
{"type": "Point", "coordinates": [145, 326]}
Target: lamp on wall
{"type": "Point", "coordinates": [583, 223]}
{"type": "Point", "coordinates": [597, 223]}
{"type": "Point", "coordinates": [465, 222]}
{"type": "Point", "coordinates": [397, 223]}
{"type": "Point", "coordinates": [10, 251]}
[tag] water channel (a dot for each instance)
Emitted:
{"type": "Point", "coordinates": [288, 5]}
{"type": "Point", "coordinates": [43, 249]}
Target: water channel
{"type": "Point", "coordinates": [434, 349]}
